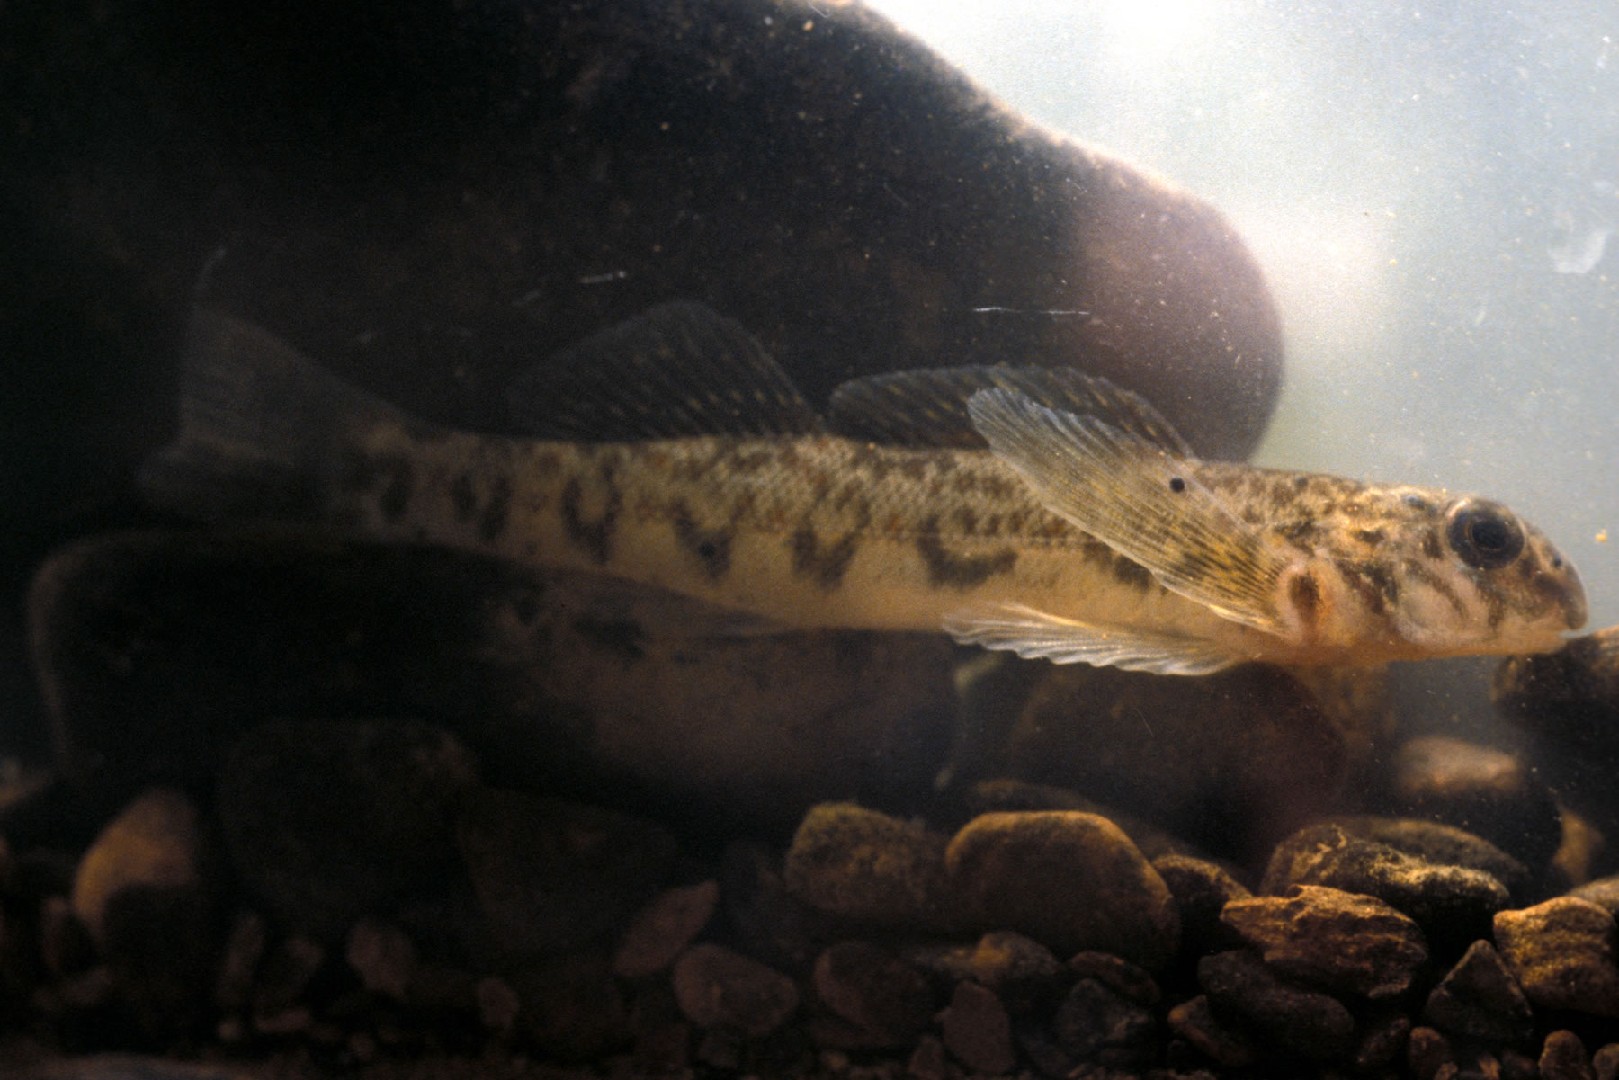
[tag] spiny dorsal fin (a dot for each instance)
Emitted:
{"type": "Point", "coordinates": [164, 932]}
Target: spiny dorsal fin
{"type": "Point", "coordinates": [678, 369]}
{"type": "Point", "coordinates": [1142, 502]}
{"type": "Point", "coordinates": [929, 407]}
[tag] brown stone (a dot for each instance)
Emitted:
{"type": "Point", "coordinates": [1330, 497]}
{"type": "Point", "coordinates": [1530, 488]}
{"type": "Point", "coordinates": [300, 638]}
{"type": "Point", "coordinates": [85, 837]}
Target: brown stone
{"type": "Point", "coordinates": [1288, 1017]}
{"type": "Point", "coordinates": [1427, 1052]}
{"type": "Point", "coordinates": [977, 1030]}
{"type": "Point", "coordinates": [716, 987]}
{"type": "Point", "coordinates": [383, 956]}
{"type": "Point", "coordinates": [888, 1000]}
{"type": "Point", "coordinates": [1479, 999]}
{"type": "Point", "coordinates": [552, 875]}
{"type": "Point", "coordinates": [1195, 1022]}
{"type": "Point", "coordinates": [868, 868]}
{"type": "Point", "coordinates": [1562, 952]}
{"type": "Point", "coordinates": [154, 844]}
{"type": "Point", "coordinates": [1563, 1057]}
{"type": "Point", "coordinates": [1255, 753]}
{"type": "Point", "coordinates": [665, 926]}
{"type": "Point", "coordinates": [1070, 880]}
{"type": "Point", "coordinates": [1339, 940]}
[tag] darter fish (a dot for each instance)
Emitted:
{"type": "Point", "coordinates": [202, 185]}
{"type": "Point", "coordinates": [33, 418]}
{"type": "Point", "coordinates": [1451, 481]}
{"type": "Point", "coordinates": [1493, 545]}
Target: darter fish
{"type": "Point", "coordinates": [1038, 511]}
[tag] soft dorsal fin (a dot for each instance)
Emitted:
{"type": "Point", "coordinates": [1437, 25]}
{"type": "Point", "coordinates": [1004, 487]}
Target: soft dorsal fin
{"type": "Point", "coordinates": [678, 369]}
{"type": "Point", "coordinates": [929, 407]}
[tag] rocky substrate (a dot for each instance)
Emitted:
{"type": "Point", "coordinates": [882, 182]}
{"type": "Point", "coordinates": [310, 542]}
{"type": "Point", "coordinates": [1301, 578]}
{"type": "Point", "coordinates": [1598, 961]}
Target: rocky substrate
{"type": "Point", "coordinates": [352, 896]}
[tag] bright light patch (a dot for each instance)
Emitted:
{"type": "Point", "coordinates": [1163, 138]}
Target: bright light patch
{"type": "Point", "coordinates": [1152, 29]}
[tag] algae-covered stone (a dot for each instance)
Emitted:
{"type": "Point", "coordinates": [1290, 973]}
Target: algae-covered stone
{"type": "Point", "coordinates": [1438, 843]}
{"type": "Point", "coordinates": [1068, 879]}
{"type": "Point", "coordinates": [1452, 904]}
{"type": "Point", "coordinates": [1562, 952]}
{"type": "Point", "coordinates": [1339, 940]}
{"type": "Point", "coordinates": [867, 867]}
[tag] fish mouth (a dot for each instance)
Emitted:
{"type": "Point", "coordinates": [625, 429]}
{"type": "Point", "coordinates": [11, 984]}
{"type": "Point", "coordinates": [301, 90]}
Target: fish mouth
{"type": "Point", "coordinates": [1575, 608]}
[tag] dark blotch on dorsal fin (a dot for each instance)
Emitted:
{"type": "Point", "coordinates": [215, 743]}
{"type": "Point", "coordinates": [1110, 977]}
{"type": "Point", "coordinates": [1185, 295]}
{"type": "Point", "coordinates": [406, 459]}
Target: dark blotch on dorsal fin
{"type": "Point", "coordinates": [929, 407]}
{"type": "Point", "coordinates": [678, 369]}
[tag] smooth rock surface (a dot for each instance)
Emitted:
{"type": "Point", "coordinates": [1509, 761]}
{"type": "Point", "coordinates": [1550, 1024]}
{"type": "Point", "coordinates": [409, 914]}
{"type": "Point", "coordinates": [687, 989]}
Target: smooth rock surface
{"type": "Point", "coordinates": [1067, 879]}
{"type": "Point", "coordinates": [154, 845]}
{"type": "Point", "coordinates": [977, 1030]}
{"type": "Point", "coordinates": [663, 928]}
{"type": "Point", "coordinates": [886, 999]}
{"type": "Point", "coordinates": [1479, 999]}
{"type": "Point", "coordinates": [717, 987]}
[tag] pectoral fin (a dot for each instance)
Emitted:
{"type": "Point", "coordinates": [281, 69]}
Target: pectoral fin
{"type": "Point", "coordinates": [1034, 634]}
{"type": "Point", "coordinates": [1143, 502]}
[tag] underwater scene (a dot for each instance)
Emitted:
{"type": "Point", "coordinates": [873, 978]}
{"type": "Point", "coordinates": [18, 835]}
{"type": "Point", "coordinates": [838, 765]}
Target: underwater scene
{"type": "Point", "coordinates": [809, 539]}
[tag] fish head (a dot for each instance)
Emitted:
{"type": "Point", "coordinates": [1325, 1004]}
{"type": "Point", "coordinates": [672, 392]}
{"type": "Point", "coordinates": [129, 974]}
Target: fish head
{"type": "Point", "coordinates": [1470, 576]}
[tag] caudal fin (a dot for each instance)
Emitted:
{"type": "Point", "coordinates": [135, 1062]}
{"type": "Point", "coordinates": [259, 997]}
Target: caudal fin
{"type": "Point", "coordinates": [261, 427]}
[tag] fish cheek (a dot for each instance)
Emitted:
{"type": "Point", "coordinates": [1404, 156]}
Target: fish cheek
{"type": "Point", "coordinates": [1303, 602]}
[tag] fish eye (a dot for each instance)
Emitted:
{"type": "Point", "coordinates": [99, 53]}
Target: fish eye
{"type": "Point", "coordinates": [1483, 536]}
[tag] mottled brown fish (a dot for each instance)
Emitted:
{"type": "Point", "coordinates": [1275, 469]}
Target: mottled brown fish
{"type": "Point", "coordinates": [1041, 512]}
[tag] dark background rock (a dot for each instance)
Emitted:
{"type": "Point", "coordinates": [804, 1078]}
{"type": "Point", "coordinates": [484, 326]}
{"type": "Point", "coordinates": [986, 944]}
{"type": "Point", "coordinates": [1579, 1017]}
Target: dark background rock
{"type": "Point", "coordinates": [1566, 703]}
{"type": "Point", "coordinates": [327, 821]}
{"type": "Point", "coordinates": [1231, 762]}
{"type": "Point", "coordinates": [429, 196]}
{"type": "Point", "coordinates": [1487, 791]}
{"type": "Point", "coordinates": [158, 648]}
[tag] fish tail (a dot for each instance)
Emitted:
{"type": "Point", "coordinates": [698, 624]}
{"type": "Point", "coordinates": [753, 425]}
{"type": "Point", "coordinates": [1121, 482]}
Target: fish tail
{"type": "Point", "coordinates": [262, 427]}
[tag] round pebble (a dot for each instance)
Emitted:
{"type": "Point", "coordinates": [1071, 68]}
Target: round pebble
{"type": "Point", "coordinates": [868, 868]}
{"type": "Point", "coordinates": [664, 927]}
{"type": "Point", "coordinates": [888, 1000]}
{"type": "Point", "coordinates": [1070, 880]}
{"type": "Point", "coordinates": [716, 987]}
